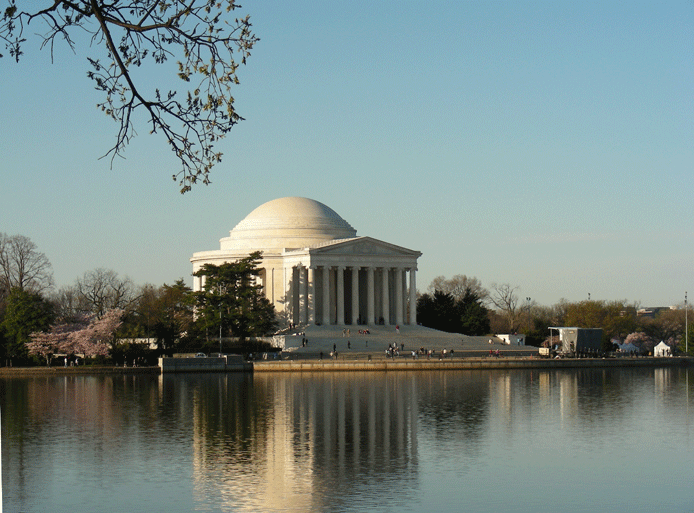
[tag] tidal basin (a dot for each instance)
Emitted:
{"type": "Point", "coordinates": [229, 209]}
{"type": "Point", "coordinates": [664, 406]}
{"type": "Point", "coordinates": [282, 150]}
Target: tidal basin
{"type": "Point", "coordinates": [438, 441]}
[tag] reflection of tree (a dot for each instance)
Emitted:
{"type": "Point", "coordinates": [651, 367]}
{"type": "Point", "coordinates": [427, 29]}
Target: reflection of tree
{"type": "Point", "coordinates": [456, 408]}
{"type": "Point", "coordinates": [74, 424]}
{"type": "Point", "coordinates": [305, 442]}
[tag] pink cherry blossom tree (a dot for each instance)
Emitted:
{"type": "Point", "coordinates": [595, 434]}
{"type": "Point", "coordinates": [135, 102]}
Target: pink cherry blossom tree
{"type": "Point", "coordinates": [95, 339]}
{"type": "Point", "coordinates": [641, 340]}
{"type": "Point", "coordinates": [46, 344]}
{"type": "Point", "coordinates": [88, 336]}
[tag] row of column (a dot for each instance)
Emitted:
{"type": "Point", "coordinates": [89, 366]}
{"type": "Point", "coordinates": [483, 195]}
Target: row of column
{"type": "Point", "coordinates": [333, 283]}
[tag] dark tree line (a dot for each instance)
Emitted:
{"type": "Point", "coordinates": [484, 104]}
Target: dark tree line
{"type": "Point", "coordinates": [442, 311]}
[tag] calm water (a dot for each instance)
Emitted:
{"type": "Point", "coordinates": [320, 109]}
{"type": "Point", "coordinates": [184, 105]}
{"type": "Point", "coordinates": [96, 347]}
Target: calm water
{"type": "Point", "coordinates": [583, 440]}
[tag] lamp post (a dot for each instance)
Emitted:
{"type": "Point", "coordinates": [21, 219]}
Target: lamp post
{"type": "Point", "coordinates": [686, 325]}
{"type": "Point", "coordinates": [220, 320]}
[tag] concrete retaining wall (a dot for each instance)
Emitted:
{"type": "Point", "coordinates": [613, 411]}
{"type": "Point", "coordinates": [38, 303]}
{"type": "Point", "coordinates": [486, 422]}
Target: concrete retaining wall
{"type": "Point", "coordinates": [229, 363]}
{"type": "Point", "coordinates": [459, 364]}
{"type": "Point", "coordinates": [235, 363]}
{"type": "Point", "coordinates": [85, 370]}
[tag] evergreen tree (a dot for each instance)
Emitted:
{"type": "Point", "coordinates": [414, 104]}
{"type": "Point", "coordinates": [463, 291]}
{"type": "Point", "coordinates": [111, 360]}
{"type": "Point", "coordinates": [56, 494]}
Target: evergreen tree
{"type": "Point", "coordinates": [232, 301]}
{"type": "Point", "coordinates": [441, 311]}
{"type": "Point", "coordinates": [25, 313]}
{"type": "Point", "coordinates": [474, 317]}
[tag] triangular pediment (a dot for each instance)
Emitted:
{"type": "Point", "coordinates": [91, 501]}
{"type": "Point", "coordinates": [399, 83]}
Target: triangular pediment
{"type": "Point", "coordinates": [362, 246]}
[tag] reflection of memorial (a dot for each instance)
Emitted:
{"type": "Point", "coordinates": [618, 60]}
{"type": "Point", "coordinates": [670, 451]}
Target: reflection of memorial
{"type": "Point", "coordinates": [299, 439]}
{"type": "Point", "coordinates": [315, 442]}
{"type": "Point", "coordinates": [311, 442]}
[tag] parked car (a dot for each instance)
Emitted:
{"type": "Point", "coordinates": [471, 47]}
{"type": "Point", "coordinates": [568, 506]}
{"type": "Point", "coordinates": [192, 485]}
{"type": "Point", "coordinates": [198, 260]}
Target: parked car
{"type": "Point", "coordinates": [200, 355]}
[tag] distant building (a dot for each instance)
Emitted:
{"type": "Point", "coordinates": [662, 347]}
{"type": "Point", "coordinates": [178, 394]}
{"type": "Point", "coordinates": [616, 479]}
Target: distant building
{"type": "Point", "coordinates": [513, 340]}
{"type": "Point", "coordinates": [653, 311]}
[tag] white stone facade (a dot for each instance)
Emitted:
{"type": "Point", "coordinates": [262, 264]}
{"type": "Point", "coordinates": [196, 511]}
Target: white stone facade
{"type": "Point", "coordinates": [315, 269]}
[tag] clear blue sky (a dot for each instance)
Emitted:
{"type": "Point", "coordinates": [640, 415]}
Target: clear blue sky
{"type": "Point", "coordinates": [549, 145]}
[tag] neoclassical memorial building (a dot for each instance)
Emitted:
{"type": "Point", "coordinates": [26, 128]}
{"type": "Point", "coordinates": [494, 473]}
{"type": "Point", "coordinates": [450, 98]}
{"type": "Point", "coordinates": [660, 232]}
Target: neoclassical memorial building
{"type": "Point", "coordinates": [315, 269]}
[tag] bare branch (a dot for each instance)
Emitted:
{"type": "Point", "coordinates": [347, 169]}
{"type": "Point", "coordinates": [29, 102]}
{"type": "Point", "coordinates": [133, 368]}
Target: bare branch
{"type": "Point", "coordinates": [22, 266]}
{"type": "Point", "coordinates": [195, 32]}
{"type": "Point", "coordinates": [504, 298]}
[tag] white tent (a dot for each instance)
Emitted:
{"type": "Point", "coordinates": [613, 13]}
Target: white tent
{"type": "Point", "coordinates": [662, 349]}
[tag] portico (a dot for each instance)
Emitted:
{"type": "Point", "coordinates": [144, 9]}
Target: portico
{"type": "Point", "coordinates": [347, 285]}
{"type": "Point", "coordinates": [323, 277]}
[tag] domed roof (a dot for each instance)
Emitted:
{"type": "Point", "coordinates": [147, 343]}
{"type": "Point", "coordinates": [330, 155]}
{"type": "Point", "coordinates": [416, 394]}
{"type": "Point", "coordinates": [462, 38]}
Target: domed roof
{"type": "Point", "coordinates": [287, 223]}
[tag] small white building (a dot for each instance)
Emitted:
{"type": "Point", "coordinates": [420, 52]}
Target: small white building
{"type": "Point", "coordinates": [517, 339]}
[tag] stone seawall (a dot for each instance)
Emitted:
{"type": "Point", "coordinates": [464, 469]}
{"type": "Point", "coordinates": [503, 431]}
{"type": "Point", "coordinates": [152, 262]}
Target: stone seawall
{"type": "Point", "coordinates": [231, 363]}
{"type": "Point", "coordinates": [91, 370]}
{"type": "Point", "coordinates": [461, 364]}
{"type": "Point", "coordinates": [236, 364]}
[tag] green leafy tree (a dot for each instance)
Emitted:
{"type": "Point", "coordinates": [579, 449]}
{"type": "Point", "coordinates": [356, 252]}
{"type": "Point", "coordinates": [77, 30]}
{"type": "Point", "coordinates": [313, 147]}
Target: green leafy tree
{"type": "Point", "coordinates": [667, 325]}
{"type": "Point", "coordinates": [616, 318]}
{"type": "Point", "coordinates": [206, 41]}
{"type": "Point", "coordinates": [233, 301]}
{"type": "Point", "coordinates": [25, 313]}
{"type": "Point", "coordinates": [163, 314]}
{"type": "Point", "coordinates": [174, 314]}
{"type": "Point", "coordinates": [541, 318]}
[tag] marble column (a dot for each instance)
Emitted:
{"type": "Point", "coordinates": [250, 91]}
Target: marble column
{"type": "Point", "coordinates": [385, 302]}
{"type": "Point", "coordinates": [311, 296]}
{"type": "Point", "coordinates": [340, 287]}
{"type": "Point", "coordinates": [398, 295]}
{"type": "Point", "coordinates": [326, 295]}
{"type": "Point", "coordinates": [370, 309]}
{"type": "Point", "coordinates": [287, 279]}
{"type": "Point", "coordinates": [303, 295]}
{"type": "Point", "coordinates": [403, 276]}
{"type": "Point", "coordinates": [413, 296]}
{"type": "Point", "coordinates": [355, 295]}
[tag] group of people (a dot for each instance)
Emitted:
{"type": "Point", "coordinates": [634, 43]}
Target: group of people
{"type": "Point", "coordinates": [393, 350]}
{"type": "Point", "coordinates": [346, 332]}
{"type": "Point", "coordinates": [72, 363]}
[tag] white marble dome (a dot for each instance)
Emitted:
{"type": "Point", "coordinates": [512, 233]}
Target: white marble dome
{"type": "Point", "coordinates": [287, 223]}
